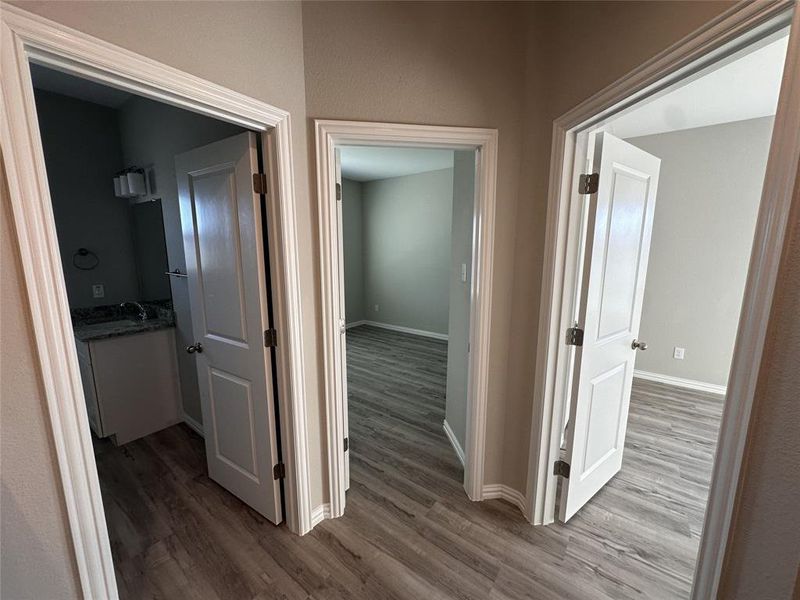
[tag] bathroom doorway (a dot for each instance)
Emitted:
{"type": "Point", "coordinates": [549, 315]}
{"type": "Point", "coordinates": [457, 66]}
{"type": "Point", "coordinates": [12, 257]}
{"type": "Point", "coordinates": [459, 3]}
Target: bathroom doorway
{"type": "Point", "coordinates": [162, 235]}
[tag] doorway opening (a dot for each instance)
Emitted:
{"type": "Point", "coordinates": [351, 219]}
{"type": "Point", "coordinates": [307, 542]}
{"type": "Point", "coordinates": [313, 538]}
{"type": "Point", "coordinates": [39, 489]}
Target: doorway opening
{"type": "Point", "coordinates": [662, 201]}
{"type": "Point", "coordinates": [163, 239]}
{"type": "Point", "coordinates": [407, 229]}
{"type": "Point", "coordinates": [414, 282]}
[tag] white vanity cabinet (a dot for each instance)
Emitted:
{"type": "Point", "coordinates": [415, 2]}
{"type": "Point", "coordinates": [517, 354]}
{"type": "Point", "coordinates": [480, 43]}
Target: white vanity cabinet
{"type": "Point", "coordinates": [130, 383]}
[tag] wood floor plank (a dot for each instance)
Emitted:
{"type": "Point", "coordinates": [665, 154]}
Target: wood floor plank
{"type": "Point", "coordinates": [409, 531]}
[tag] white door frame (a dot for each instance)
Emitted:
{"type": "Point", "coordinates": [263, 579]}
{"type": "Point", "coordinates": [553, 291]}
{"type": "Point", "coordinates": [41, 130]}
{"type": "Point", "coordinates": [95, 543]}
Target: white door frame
{"type": "Point", "coordinates": [333, 134]}
{"type": "Point", "coordinates": [29, 38]}
{"type": "Point", "coordinates": [720, 38]}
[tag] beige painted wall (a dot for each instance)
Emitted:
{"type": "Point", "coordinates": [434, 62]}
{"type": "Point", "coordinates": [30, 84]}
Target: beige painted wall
{"type": "Point", "coordinates": [36, 558]}
{"type": "Point", "coordinates": [252, 47]}
{"type": "Point", "coordinates": [439, 70]}
{"type": "Point", "coordinates": [434, 63]}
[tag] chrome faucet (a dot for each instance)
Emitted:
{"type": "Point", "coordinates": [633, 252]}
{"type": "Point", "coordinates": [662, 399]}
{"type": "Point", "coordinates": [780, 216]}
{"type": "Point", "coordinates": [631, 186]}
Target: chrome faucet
{"type": "Point", "coordinates": [142, 312]}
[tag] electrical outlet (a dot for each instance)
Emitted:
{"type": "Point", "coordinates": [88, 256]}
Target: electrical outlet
{"type": "Point", "coordinates": [98, 291]}
{"type": "Point", "coordinates": [677, 353]}
{"type": "Point", "coordinates": [377, 308]}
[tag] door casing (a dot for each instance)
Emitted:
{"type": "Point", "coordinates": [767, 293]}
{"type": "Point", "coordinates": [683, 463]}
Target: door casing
{"type": "Point", "coordinates": [573, 133]}
{"type": "Point", "coordinates": [331, 135]}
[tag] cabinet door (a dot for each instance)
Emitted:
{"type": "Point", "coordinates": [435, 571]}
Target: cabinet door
{"type": "Point", "coordinates": [89, 393]}
{"type": "Point", "coordinates": [137, 383]}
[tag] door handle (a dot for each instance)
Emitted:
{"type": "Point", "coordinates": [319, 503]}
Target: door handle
{"type": "Point", "coordinates": [196, 347]}
{"type": "Point", "coordinates": [637, 345]}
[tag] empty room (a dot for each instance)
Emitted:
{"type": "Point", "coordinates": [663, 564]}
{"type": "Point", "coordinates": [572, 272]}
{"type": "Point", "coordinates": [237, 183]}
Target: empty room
{"type": "Point", "coordinates": [407, 246]}
{"type": "Point", "coordinates": [392, 300]}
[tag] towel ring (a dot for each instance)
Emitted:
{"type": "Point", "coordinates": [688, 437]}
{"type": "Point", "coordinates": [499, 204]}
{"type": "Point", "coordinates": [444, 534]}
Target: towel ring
{"type": "Point", "coordinates": [79, 257]}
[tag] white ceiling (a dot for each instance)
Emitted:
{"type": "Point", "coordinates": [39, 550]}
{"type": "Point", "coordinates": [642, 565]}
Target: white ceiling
{"type": "Point", "coordinates": [746, 88]}
{"type": "Point", "coordinates": [51, 80]}
{"type": "Point", "coordinates": [368, 163]}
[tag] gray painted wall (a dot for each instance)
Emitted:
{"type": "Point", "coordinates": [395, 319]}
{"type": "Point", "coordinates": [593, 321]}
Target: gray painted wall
{"type": "Point", "coordinates": [152, 134]}
{"type": "Point", "coordinates": [458, 329]}
{"type": "Point", "coordinates": [708, 198]}
{"type": "Point", "coordinates": [82, 151]}
{"type": "Point", "coordinates": [406, 238]}
{"type": "Point", "coordinates": [353, 251]}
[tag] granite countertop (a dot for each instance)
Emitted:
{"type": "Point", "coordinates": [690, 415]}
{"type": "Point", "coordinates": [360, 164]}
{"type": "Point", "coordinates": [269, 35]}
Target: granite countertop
{"type": "Point", "coordinates": [101, 322]}
{"type": "Point", "coordinates": [109, 329]}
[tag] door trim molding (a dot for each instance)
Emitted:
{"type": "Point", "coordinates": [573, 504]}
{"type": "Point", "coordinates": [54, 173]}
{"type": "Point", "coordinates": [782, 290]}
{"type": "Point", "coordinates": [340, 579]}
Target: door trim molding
{"type": "Point", "coordinates": [331, 134]}
{"type": "Point", "coordinates": [29, 38]}
{"type": "Point", "coordinates": [719, 38]}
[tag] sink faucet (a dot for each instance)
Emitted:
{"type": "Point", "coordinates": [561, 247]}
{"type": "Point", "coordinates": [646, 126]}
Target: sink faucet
{"type": "Point", "coordinates": [142, 312]}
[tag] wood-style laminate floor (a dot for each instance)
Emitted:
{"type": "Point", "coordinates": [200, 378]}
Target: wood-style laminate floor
{"type": "Point", "coordinates": [409, 531]}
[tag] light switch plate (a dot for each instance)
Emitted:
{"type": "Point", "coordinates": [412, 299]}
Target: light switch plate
{"type": "Point", "coordinates": [98, 291]}
{"type": "Point", "coordinates": [464, 272]}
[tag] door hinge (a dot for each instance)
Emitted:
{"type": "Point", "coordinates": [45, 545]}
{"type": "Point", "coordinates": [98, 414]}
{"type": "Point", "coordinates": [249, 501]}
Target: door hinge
{"type": "Point", "coordinates": [588, 183]}
{"type": "Point", "coordinates": [270, 338]}
{"type": "Point", "coordinates": [346, 444]}
{"type": "Point", "coordinates": [561, 469]}
{"type": "Point", "coordinates": [575, 336]}
{"type": "Point", "coordinates": [279, 471]}
{"type": "Point", "coordinates": [260, 183]}
{"type": "Point", "coordinates": [339, 191]}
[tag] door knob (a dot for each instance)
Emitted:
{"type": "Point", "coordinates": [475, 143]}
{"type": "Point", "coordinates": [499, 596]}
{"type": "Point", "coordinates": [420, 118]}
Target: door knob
{"type": "Point", "coordinates": [637, 345]}
{"type": "Point", "coordinates": [196, 347]}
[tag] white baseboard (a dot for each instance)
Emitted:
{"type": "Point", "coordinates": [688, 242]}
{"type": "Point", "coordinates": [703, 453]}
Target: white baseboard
{"type": "Point", "coordinates": [355, 324]}
{"type": "Point", "coordinates": [319, 514]}
{"type": "Point", "coordinates": [420, 332]}
{"type": "Point", "coordinates": [194, 425]}
{"type": "Point", "coordinates": [692, 384]}
{"type": "Point", "coordinates": [454, 442]}
{"type": "Point", "coordinates": [503, 492]}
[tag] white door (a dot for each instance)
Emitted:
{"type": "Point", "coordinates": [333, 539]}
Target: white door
{"type": "Point", "coordinates": [342, 317]}
{"type": "Point", "coordinates": [221, 220]}
{"type": "Point", "coordinates": [617, 249]}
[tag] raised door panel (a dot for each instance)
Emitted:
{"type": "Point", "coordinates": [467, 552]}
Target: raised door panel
{"type": "Point", "coordinates": [624, 234]}
{"type": "Point", "coordinates": [232, 423]}
{"type": "Point", "coordinates": [219, 261]}
{"type": "Point", "coordinates": [606, 400]}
